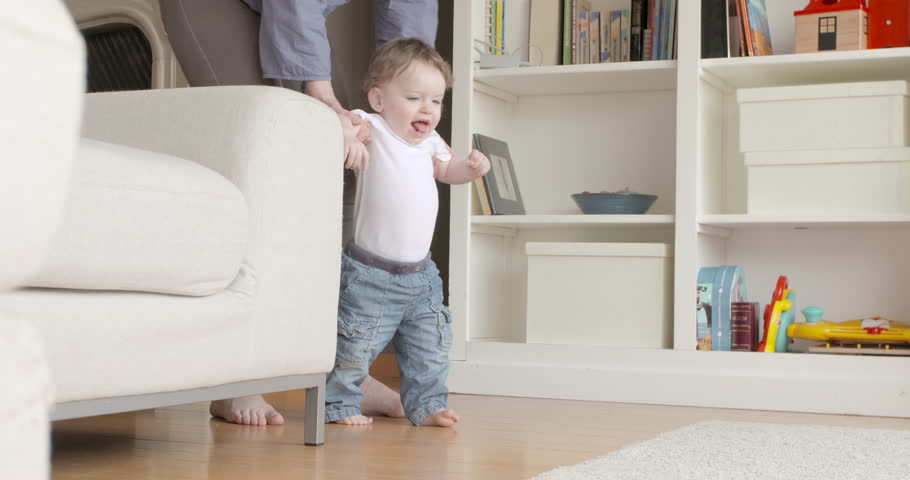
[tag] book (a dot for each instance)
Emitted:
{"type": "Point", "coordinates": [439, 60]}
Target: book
{"type": "Point", "coordinates": [583, 47]}
{"type": "Point", "coordinates": [734, 30]}
{"type": "Point", "coordinates": [545, 32]}
{"type": "Point", "coordinates": [666, 34]}
{"type": "Point", "coordinates": [655, 28]}
{"type": "Point", "coordinates": [483, 196]}
{"type": "Point", "coordinates": [501, 182]}
{"type": "Point", "coordinates": [758, 31]}
{"type": "Point", "coordinates": [498, 27]}
{"type": "Point", "coordinates": [605, 37]}
{"type": "Point", "coordinates": [635, 29]}
{"type": "Point", "coordinates": [625, 34]}
{"type": "Point", "coordinates": [714, 29]}
{"type": "Point", "coordinates": [616, 35]}
{"type": "Point", "coordinates": [569, 31]}
{"type": "Point", "coordinates": [595, 37]}
{"type": "Point", "coordinates": [744, 326]}
{"type": "Point", "coordinates": [742, 12]}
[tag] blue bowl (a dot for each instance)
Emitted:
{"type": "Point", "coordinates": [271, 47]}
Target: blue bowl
{"type": "Point", "coordinates": [614, 203]}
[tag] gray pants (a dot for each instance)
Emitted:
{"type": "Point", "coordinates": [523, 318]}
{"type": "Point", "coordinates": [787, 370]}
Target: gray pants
{"type": "Point", "coordinates": [217, 43]}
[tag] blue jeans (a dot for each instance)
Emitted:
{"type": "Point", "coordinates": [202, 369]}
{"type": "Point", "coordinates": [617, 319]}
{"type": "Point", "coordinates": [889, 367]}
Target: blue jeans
{"type": "Point", "coordinates": [376, 307]}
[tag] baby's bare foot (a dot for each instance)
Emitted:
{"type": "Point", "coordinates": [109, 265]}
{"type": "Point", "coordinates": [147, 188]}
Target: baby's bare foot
{"type": "Point", "coordinates": [252, 410]}
{"type": "Point", "coordinates": [355, 420]}
{"type": "Point", "coordinates": [378, 399]}
{"type": "Point", "coordinates": [442, 418]}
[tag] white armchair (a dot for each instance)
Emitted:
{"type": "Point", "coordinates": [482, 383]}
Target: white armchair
{"type": "Point", "coordinates": [41, 84]}
{"type": "Point", "coordinates": [133, 323]}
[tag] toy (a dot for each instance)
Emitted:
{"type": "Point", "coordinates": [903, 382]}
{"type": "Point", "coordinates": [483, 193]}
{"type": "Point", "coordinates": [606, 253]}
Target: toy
{"type": "Point", "coordinates": [832, 25]}
{"type": "Point", "coordinates": [872, 330]}
{"type": "Point", "coordinates": [718, 287]}
{"type": "Point", "coordinates": [780, 303]}
{"type": "Point", "coordinates": [889, 23]}
{"type": "Point", "coordinates": [776, 297]}
{"type": "Point", "coordinates": [786, 319]}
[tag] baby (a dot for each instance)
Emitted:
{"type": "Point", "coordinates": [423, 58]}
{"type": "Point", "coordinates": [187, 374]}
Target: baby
{"type": "Point", "coordinates": [390, 288]}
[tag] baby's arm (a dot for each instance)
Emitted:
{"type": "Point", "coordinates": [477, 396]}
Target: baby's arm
{"type": "Point", "coordinates": [355, 152]}
{"type": "Point", "coordinates": [458, 171]}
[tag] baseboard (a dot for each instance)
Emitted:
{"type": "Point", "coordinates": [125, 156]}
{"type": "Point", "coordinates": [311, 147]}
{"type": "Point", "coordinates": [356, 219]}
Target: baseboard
{"type": "Point", "coordinates": [875, 386]}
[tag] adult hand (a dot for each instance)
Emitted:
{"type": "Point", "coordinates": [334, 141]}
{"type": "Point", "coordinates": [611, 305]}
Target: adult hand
{"type": "Point", "coordinates": [322, 90]}
{"type": "Point", "coordinates": [364, 128]}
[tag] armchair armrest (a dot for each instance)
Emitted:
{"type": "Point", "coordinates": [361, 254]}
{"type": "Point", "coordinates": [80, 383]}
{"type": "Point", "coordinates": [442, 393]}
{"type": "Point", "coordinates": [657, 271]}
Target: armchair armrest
{"type": "Point", "coordinates": [283, 150]}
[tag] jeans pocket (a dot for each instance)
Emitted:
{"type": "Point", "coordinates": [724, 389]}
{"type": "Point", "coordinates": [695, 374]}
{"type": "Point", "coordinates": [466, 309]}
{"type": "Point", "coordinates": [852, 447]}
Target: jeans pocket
{"type": "Point", "coordinates": [351, 272]}
{"type": "Point", "coordinates": [354, 336]}
{"type": "Point", "coordinates": [443, 326]}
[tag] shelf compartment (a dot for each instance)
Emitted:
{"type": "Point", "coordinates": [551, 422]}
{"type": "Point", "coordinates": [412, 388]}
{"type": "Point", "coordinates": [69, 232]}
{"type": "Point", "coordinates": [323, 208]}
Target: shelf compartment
{"type": "Point", "coordinates": [550, 221]}
{"type": "Point", "coordinates": [809, 68]}
{"type": "Point", "coordinates": [580, 79]}
{"type": "Point", "coordinates": [801, 221]}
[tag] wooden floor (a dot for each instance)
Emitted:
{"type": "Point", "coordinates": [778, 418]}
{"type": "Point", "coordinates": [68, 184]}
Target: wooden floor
{"type": "Point", "coordinates": [498, 438]}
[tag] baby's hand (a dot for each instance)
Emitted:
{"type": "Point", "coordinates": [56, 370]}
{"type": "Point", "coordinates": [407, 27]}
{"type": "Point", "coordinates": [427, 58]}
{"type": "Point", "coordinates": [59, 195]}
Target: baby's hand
{"type": "Point", "coordinates": [478, 163]}
{"type": "Point", "coordinates": [356, 156]}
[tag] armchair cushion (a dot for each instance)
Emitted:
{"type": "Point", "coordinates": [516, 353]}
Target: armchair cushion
{"type": "Point", "coordinates": [146, 221]}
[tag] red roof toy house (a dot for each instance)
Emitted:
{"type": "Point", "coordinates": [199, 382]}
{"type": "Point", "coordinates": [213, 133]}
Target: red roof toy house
{"type": "Point", "coordinates": [832, 25]}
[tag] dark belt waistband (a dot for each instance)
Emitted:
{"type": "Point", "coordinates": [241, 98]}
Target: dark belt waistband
{"type": "Point", "coordinates": [400, 268]}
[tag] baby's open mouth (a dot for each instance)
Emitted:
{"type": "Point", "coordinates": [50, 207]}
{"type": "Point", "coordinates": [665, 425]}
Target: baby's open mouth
{"type": "Point", "coordinates": [421, 127]}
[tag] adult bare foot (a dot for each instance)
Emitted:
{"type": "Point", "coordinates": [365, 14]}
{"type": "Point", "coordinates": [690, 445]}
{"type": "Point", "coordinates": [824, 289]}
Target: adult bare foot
{"type": "Point", "coordinates": [252, 410]}
{"type": "Point", "coordinates": [355, 420]}
{"type": "Point", "coordinates": [442, 418]}
{"type": "Point", "coordinates": [379, 399]}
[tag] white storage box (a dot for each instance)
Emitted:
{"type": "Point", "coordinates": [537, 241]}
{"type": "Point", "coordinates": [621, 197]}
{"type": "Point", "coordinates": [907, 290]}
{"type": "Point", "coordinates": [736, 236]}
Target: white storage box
{"type": "Point", "coordinates": [830, 116]}
{"type": "Point", "coordinates": [617, 294]}
{"type": "Point", "coordinates": [829, 181]}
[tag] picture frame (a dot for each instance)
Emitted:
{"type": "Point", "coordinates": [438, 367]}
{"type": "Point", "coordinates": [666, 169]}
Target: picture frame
{"type": "Point", "coordinates": [501, 183]}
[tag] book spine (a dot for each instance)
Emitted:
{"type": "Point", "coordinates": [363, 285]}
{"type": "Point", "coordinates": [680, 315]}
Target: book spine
{"type": "Point", "coordinates": [616, 35]}
{"type": "Point", "coordinates": [584, 40]}
{"type": "Point", "coordinates": [743, 10]}
{"type": "Point", "coordinates": [567, 32]}
{"type": "Point", "coordinates": [605, 37]}
{"type": "Point", "coordinates": [655, 29]}
{"type": "Point", "coordinates": [594, 31]}
{"type": "Point", "coordinates": [482, 196]}
{"type": "Point", "coordinates": [574, 32]}
{"type": "Point", "coordinates": [743, 326]}
{"type": "Point", "coordinates": [626, 37]}
{"type": "Point", "coordinates": [635, 31]}
{"type": "Point", "coordinates": [499, 27]}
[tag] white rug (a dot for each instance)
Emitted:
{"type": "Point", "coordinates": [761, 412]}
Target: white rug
{"type": "Point", "coordinates": [746, 451]}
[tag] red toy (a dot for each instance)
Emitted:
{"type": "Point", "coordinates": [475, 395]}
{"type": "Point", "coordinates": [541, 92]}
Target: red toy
{"type": "Point", "coordinates": [782, 284]}
{"type": "Point", "coordinates": [889, 23]}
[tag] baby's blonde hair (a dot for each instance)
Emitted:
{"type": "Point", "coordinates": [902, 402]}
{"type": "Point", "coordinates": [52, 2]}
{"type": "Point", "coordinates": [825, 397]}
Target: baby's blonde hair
{"type": "Point", "coordinates": [395, 56]}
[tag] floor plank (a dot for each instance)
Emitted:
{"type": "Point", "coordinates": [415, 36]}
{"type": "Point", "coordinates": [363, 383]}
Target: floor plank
{"type": "Point", "coordinates": [498, 438]}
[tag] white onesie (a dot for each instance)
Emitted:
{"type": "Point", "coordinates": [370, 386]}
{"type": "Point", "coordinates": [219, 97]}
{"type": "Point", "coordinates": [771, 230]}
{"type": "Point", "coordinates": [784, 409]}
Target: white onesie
{"type": "Point", "coordinates": [396, 203]}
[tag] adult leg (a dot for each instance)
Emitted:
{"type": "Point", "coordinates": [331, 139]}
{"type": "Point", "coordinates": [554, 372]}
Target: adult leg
{"type": "Point", "coordinates": [217, 43]}
{"type": "Point", "coordinates": [406, 18]}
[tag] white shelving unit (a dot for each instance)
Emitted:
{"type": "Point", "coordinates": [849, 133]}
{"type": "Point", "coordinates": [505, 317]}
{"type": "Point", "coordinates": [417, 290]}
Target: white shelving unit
{"type": "Point", "coordinates": [668, 128]}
